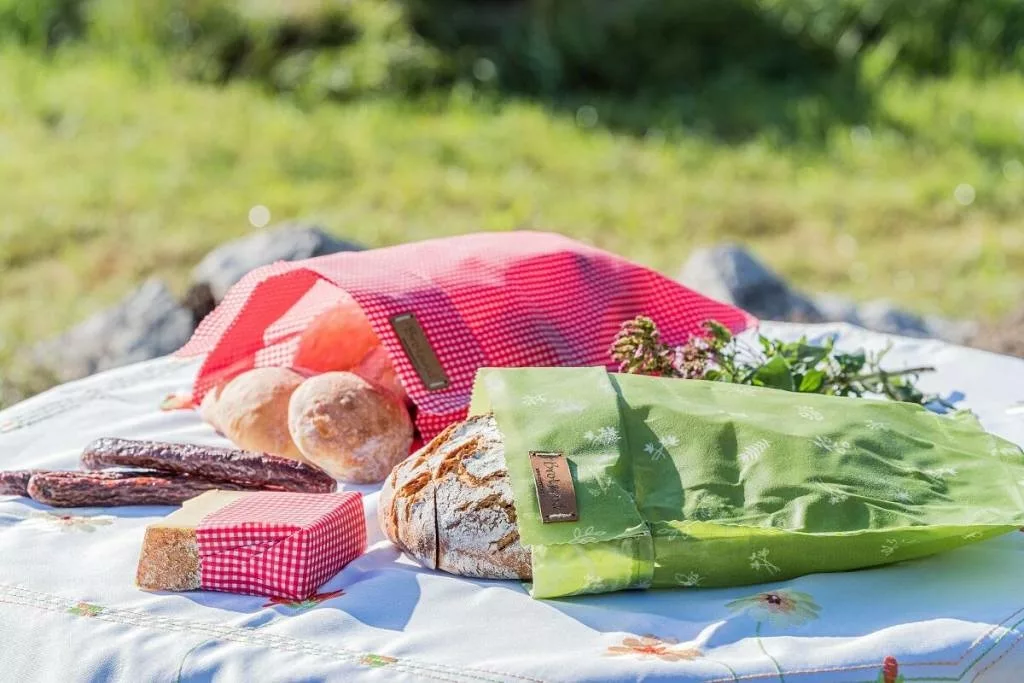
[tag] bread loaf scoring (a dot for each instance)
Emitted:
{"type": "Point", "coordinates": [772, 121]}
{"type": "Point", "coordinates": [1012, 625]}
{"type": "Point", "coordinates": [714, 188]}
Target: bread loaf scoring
{"type": "Point", "coordinates": [450, 505]}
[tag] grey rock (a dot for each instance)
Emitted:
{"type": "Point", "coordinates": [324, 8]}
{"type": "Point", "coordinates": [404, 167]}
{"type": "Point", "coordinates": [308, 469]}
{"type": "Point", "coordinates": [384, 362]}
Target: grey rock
{"type": "Point", "coordinates": [228, 263]}
{"type": "Point", "coordinates": [146, 324]}
{"type": "Point", "coordinates": [884, 316]}
{"type": "Point", "coordinates": [731, 274]}
{"type": "Point", "coordinates": [837, 309]}
{"type": "Point", "coordinates": [953, 331]}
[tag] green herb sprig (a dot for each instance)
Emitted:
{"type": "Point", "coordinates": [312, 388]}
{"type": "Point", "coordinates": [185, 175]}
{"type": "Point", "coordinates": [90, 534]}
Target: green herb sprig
{"type": "Point", "coordinates": [791, 366]}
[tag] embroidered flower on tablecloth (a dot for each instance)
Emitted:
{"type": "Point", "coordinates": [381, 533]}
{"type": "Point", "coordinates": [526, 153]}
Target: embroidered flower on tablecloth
{"type": "Point", "coordinates": [73, 522]}
{"type": "Point", "coordinates": [783, 606]}
{"type": "Point", "coordinates": [377, 661]}
{"type": "Point", "coordinates": [890, 672]}
{"type": "Point", "coordinates": [177, 401]}
{"type": "Point", "coordinates": [85, 609]}
{"type": "Point", "coordinates": [652, 646]}
{"type": "Point", "coordinates": [311, 601]}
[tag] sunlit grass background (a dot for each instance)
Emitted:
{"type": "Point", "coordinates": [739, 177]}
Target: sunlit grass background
{"type": "Point", "coordinates": [122, 155]}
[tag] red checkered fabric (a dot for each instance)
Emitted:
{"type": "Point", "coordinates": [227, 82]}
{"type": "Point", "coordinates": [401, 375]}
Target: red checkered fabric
{"type": "Point", "coordinates": [510, 299]}
{"type": "Point", "coordinates": [280, 544]}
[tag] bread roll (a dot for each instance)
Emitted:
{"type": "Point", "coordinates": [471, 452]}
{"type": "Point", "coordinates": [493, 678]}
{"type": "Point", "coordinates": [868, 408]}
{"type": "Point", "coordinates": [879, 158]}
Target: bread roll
{"type": "Point", "coordinates": [208, 408]}
{"type": "Point", "coordinates": [450, 505]}
{"type": "Point", "coordinates": [252, 411]}
{"type": "Point", "coordinates": [355, 430]}
{"type": "Point", "coordinates": [337, 339]}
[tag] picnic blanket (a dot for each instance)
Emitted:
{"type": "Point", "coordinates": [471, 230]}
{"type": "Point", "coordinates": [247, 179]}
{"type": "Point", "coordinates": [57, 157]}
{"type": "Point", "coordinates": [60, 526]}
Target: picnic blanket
{"type": "Point", "coordinates": [69, 610]}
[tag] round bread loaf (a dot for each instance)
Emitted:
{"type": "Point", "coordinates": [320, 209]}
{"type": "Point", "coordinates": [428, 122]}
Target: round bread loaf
{"type": "Point", "coordinates": [208, 408]}
{"type": "Point", "coordinates": [355, 430]}
{"type": "Point", "coordinates": [252, 411]}
{"type": "Point", "coordinates": [450, 505]}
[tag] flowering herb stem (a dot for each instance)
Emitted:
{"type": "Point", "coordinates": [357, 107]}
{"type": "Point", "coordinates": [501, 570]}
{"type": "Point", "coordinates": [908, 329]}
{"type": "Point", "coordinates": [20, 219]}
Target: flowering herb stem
{"type": "Point", "coordinates": [792, 366]}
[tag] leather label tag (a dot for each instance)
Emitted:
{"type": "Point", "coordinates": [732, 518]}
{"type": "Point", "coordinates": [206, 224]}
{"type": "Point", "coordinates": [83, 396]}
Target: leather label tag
{"type": "Point", "coordinates": [555, 490]}
{"type": "Point", "coordinates": [421, 354]}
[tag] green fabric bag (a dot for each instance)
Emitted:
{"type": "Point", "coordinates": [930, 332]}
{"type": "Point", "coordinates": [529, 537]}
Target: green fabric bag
{"type": "Point", "coordinates": [702, 484]}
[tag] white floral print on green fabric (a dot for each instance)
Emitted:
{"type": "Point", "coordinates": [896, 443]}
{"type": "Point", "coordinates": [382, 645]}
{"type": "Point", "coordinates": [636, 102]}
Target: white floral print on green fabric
{"type": "Point", "coordinates": [941, 472]}
{"type": "Point", "coordinates": [760, 562]}
{"type": "Point", "coordinates": [587, 535]}
{"type": "Point", "coordinates": [809, 413]}
{"type": "Point", "coordinates": [605, 436]}
{"type": "Point", "coordinates": [902, 496]}
{"type": "Point", "coordinates": [534, 400]}
{"type": "Point", "coordinates": [876, 426]}
{"type": "Point", "coordinates": [889, 547]}
{"type": "Point", "coordinates": [751, 453]}
{"type": "Point", "coordinates": [830, 445]}
{"type": "Point", "coordinates": [834, 495]}
{"type": "Point", "coordinates": [659, 451]}
{"type": "Point", "coordinates": [689, 580]}
{"type": "Point", "coordinates": [710, 506]}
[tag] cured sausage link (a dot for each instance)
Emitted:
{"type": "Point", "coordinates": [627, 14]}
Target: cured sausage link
{"type": "Point", "coordinates": [247, 469]}
{"type": "Point", "coordinates": [15, 482]}
{"type": "Point", "coordinates": [108, 489]}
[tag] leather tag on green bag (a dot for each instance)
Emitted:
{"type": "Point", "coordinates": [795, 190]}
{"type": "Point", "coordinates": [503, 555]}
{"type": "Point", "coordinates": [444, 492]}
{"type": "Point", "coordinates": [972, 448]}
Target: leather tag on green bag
{"type": "Point", "coordinates": [555, 490]}
{"type": "Point", "coordinates": [421, 354]}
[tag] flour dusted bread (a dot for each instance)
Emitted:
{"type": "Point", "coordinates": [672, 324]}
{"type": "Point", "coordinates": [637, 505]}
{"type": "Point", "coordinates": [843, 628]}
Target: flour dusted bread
{"type": "Point", "coordinates": [355, 430]}
{"type": "Point", "coordinates": [450, 505]}
{"type": "Point", "coordinates": [252, 411]}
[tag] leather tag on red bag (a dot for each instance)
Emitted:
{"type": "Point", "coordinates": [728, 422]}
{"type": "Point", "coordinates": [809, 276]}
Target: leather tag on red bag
{"type": "Point", "coordinates": [421, 354]}
{"type": "Point", "coordinates": [555, 490]}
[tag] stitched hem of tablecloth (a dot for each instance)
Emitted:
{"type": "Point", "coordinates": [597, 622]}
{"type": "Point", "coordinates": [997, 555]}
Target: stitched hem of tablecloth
{"type": "Point", "coordinates": [248, 636]}
{"type": "Point", "coordinates": [910, 664]}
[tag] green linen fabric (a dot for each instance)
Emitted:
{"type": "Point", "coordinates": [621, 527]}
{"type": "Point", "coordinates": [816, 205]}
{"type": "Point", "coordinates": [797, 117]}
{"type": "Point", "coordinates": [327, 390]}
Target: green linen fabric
{"type": "Point", "coordinates": [702, 484]}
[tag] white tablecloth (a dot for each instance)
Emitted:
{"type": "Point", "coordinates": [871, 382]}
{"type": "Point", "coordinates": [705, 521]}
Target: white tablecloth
{"type": "Point", "coordinates": [69, 610]}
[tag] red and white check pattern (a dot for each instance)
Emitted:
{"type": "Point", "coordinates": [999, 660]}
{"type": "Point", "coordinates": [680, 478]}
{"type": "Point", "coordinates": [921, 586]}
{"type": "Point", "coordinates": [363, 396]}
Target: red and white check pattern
{"type": "Point", "coordinates": [512, 299]}
{"type": "Point", "coordinates": [280, 544]}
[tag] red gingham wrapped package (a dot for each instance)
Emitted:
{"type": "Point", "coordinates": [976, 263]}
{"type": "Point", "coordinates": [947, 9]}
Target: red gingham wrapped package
{"type": "Point", "coordinates": [280, 544]}
{"type": "Point", "coordinates": [511, 299]}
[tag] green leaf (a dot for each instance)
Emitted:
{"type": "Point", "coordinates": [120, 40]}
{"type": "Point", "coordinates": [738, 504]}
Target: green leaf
{"type": "Point", "coordinates": [812, 355]}
{"type": "Point", "coordinates": [811, 382]}
{"type": "Point", "coordinates": [775, 374]}
{"type": "Point", "coordinates": [718, 331]}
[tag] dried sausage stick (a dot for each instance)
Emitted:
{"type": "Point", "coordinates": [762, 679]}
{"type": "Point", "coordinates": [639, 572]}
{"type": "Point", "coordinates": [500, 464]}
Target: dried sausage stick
{"type": "Point", "coordinates": [245, 468]}
{"type": "Point", "coordinates": [108, 489]}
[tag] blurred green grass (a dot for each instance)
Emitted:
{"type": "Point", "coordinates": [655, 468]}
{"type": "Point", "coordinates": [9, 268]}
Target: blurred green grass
{"type": "Point", "coordinates": [114, 167]}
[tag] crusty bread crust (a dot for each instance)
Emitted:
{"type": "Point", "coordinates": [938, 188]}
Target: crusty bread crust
{"type": "Point", "coordinates": [450, 505]}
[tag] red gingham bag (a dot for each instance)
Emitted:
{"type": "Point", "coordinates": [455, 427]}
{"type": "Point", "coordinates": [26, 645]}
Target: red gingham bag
{"type": "Point", "coordinates": [513, 299]}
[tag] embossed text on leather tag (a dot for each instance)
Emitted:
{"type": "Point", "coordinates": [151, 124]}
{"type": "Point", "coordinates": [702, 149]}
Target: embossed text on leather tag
{"type": "Point", "coordinates": [421, 354]}
{"type": "Point", "coordinates": [555, 489]}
